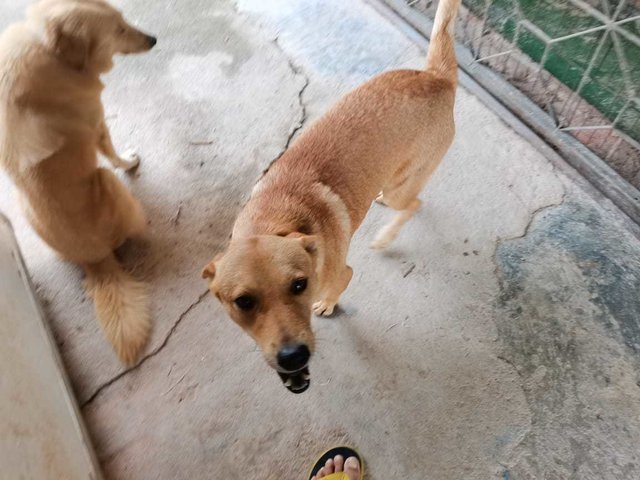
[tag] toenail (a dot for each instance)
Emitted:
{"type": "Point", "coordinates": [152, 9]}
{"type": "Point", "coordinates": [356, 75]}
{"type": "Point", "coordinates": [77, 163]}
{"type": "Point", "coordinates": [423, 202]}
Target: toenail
{"type": "Point", "coordinates": [352, 463]}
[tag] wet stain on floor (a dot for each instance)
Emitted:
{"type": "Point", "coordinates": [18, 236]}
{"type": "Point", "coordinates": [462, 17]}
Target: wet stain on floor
{"type": "Point", "coordinates": [568, 320]}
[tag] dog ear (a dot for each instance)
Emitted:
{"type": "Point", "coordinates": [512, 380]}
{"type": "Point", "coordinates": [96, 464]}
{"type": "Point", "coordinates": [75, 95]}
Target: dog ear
{"type": "Point", "coordinates": [309, 243]}
{"type": "Point", "coordinates": [209, 271]}
{"type": "Point", "coordinates": [70, 41]}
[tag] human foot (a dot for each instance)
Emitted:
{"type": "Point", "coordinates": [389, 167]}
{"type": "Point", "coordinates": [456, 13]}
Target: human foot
{"type": "Point", "coordinates": [350, 466]}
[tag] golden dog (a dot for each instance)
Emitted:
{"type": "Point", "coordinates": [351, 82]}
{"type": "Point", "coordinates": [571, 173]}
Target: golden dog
{"type": "Point", "coordinates": [289, 244]}
{"type": "Point", "coordinates": [51, 128]}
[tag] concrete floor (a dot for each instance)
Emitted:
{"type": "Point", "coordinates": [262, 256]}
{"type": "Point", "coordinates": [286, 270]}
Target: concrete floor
{"type": "Point", "coordinates": [498, 337]}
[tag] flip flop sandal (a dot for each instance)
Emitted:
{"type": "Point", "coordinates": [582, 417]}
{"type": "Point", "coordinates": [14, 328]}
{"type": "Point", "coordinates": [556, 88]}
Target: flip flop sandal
{"type": "Point", "coordinates": [346, 452]}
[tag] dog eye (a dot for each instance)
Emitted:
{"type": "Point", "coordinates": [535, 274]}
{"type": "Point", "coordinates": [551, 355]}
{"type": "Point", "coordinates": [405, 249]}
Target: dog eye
{"type": "Point", "coordinates": [120, 29]}
{"type": "Point", "coordinates": [298, 286]}
{"type": "Point", "coordinates": [245, 302]}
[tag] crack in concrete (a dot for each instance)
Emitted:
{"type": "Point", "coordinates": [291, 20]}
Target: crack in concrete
{"type": "Point", "coordinates": [157, 350]}
{"type": "Point", "coordinates": [297, 71]}
{"type": "Point", "coordinates": [511, 364]}
{"type": "Point", "coordinates": [303, 107]}
{"type": "Point", "coordinates": [532, 216]}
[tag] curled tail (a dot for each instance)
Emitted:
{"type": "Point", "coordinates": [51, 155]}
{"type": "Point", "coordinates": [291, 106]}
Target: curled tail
{"type": "Point", "coordinates": [121, 307]}
{"type": "Point", "coordinates": [441, 56]}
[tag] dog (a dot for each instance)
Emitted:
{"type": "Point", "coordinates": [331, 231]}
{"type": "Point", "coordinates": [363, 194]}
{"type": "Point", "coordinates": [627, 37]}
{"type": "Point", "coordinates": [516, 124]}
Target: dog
{"type": "Point", "coordinates": [288, 249]}
{"type": "Point", "coordinates": [52, 126]}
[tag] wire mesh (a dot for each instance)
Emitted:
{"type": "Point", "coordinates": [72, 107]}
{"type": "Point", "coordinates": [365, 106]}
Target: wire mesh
{"type": "Point", "coordinates": [579, 60]}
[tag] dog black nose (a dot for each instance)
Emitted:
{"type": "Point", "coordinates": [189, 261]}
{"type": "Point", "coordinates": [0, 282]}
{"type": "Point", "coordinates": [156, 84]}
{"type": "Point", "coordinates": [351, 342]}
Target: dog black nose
{"type": "Point", "coordinates": [293, 357]}
{"type": "Point", "coordinates": [151, 40]}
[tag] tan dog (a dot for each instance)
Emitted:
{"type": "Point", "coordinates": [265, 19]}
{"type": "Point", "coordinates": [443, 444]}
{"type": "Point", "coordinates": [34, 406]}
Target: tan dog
{"type": "Point", "coordinates": [51, 128]}
{"type": "Point", "coordinates": [289, 244]}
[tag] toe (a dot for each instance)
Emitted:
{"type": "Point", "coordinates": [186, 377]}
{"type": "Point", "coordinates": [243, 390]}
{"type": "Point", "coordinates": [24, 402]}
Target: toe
{"type": "Point", "coordinates": [328, 466]}
{"type": "Point", "coordinates": [323, 308]}
{"type": "Point", "coordinates": [352, 468]}
{"type": "Point", "coordinates": [338, 463]}
{"type": "Point", "coordinates": [319, 308]}
{"type": "Point", "coordinates": [328, 309]}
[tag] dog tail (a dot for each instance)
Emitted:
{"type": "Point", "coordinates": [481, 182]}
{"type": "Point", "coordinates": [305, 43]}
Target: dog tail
{"type": "Point", "coordinates": [121, 306]}
{"type": "Point", "coordinates": [441, 56]}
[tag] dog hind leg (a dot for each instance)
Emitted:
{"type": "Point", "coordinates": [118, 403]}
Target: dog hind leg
{"type": "Point", "coordinates": [390, 231]}
{"type": "Point", "coordinates": [402, 196]}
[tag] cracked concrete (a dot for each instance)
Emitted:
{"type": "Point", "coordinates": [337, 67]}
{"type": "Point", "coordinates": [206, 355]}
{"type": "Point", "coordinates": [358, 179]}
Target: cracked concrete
{"type": "Point", "coordinates": [495, 339]}
{"type": "Point", "coordinates": [303, 108]}
{"type": "Point", "coordinates": [146, 357]}
{"type": "Point", "coordinates": [532, 218]}
{"type": "Point", "coordinates": [569, 326]}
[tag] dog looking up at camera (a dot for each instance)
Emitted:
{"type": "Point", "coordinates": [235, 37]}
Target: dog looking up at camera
{"type": "Point", "coordinates": [288, 251]}
{"type": "Point", "coordinates": [52, 127]}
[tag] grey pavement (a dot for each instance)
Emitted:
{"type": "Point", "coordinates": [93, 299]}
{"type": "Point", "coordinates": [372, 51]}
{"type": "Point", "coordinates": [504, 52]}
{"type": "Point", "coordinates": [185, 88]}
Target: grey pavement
{"type": "Point", "coordinates": [499, 337]}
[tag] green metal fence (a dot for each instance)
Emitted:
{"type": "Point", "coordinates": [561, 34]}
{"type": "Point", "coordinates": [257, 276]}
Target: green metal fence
{"type": "Point", "coordinates": [577, 59]}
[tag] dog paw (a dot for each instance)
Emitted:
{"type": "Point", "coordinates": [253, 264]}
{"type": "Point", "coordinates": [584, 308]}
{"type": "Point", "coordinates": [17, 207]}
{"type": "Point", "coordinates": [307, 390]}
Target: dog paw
{"type": "Point", "coordinates": [385, 237]}
{"type": "Point", "coordinates": [129, 160]}
{"type": "Point", "coordinates": [324, 308]}
{"type": "Point", "coordinates": [381, 242]}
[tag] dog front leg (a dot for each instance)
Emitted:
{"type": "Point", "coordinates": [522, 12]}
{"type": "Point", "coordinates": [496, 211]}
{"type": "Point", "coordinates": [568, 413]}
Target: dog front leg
{"type": "Point", "coordinates": [336, 281]}
{"type": "Point", "coordinates": [128, 161]}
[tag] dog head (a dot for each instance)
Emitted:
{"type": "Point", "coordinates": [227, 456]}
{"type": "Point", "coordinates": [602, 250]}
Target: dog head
{"type": "Point", "coordinates": [86, 34]}
{"type": "Point", "coordinates": [266, 284]}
